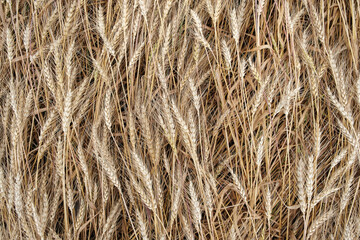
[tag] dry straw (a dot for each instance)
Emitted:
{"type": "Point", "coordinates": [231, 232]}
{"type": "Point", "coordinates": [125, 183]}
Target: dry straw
{"type": "Point", "coordinates": [179, 119]}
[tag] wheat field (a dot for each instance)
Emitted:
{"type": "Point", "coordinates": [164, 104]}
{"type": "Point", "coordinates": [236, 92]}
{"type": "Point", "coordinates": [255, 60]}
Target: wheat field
{"type": "Point", "coordinates": [179, 119]}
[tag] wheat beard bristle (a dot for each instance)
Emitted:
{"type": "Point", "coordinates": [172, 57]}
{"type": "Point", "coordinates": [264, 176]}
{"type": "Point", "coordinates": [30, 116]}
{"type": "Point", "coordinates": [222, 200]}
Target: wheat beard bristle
{"type": "Point", "coordinates": [149, 119]}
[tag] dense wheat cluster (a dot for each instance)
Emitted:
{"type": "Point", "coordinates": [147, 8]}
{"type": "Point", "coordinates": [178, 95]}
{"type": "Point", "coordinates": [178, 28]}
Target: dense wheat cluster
{"type": "Point", "coordinates": [179, 119]}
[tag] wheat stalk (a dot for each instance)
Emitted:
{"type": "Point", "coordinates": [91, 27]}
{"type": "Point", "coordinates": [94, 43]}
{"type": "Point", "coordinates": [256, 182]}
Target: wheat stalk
{"type": "Point", "coordinates": [179, 119]}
